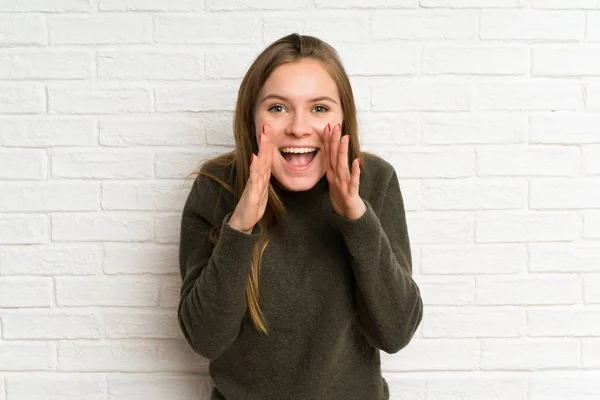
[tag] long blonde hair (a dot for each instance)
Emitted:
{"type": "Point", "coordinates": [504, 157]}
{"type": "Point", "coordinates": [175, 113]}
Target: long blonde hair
{"type": "Point", "coordinates": [290, 48]}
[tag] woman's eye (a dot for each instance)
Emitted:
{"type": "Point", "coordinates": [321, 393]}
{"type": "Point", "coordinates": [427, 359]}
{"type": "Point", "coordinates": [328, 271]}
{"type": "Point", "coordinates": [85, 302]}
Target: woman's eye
{"type": "Point", "coordinates": [322, 108]}
{"type": "Point", "coordinates": [277, 107]}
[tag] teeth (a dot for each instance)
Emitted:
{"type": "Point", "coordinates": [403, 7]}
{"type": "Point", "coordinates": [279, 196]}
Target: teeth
{"type": "Point", "coordinates": [298, 149]}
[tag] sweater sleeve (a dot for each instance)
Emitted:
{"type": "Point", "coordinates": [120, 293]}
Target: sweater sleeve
{"type": "Point", "coordinates": [213, 292]}
{"type": "Point", "coordinates": [388, 301]}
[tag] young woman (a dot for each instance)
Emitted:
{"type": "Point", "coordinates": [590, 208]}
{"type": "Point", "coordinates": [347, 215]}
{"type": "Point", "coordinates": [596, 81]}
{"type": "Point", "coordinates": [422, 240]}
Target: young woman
{"type": "Point", "coordinates": [294, 251]}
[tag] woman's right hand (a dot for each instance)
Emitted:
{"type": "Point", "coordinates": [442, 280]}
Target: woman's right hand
{"type": "Point", "coordinates": [253, 201]}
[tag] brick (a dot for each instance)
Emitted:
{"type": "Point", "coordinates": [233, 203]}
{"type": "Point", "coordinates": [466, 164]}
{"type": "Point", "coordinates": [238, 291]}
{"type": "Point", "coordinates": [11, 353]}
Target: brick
{"type": "Point", "coordinates": [178, 164]}
{"type": "Point", "coordinates": [218, 29]}
{"type": "Point", "coordinates": [143, 259]}
{"type": "Point", "coordinates": [473, 322]}
{"type": "Point", "coordinates": [25, 292]}
{"type": "Point", "coordinates": [447, 290]}
{"type": "Point", "coordinates": [533, 25]}
{"type": "Point", "coordinates": [150, 5]}
{"type": "Point", "coordinates": [115, 227]}
{"type": "Point", "coordinates": [23, 229]}
{"type": "Point", "coordinates": [167, 228]}
{"type": "Point", "coordinates": [562, 129]}
{"type": "Point", "coordinates": [152, 131]}
{"type": "Point", "coordinates": [219, 129]}
{"type": "Point", "coordinates": [46, 132]}
{"type": "Point", "coordinates": [593, 27]}
{"type": "Point", "coordinates": [591, 159]}
{"type": "Point", "coordinates": [22, 29]}
{"type": "Point", "coordinates": [528, 290]}
{"type": "Point", "coordinates": [27, 356]}
{"type": "Point", "coordinates": [406, 386]}
{"type": "Point", "coordinates": [361, 89]}
{"type": "Point", "coordinates": [469, 194]}
{"type": "Point", "coordinates": [60, 386]}
{"type": "Point", "coordinates": [96, 98]}
{"type": "Point", "coordinates": [52, 260]}
{"type": "Point", "coordinates": [559, 385]}
{"type": "Point", "coordinates": [197, 97]}
{"type": "Point", "coordinates": [420, 95]}
{"type": "Point", "coordinates": [474, 259]}
{"type": "Point", "coordinates": [52, 325]}
{"type": "Point", "coordinates": [565, 60]}
{"type": "Point", "coordinates": [531, 95]}
{"type": "Point", "coordinates": [474, 3]}
{"type": "Point", "coordinates": [45, 64]}
{"type": "Point", "coordinates": [127, 291]}
{"type": "Point", "coordinates": [23, 164]}
{"type": "Point", "coordinates": [55, 196]}
{"type": "Point", "coordinates": [591, 224]}
{"type": "Point", "coordinates": [533, 354]}
{"type": "Point", "coordinates": [424, 24]}
{"type": "Point", "coordinates": [101, 164]}
{"type": "Point", "coordinates": [591, 288]}
{"type": "Point", "coordinates": [153, 387]}
{"type": "Point", "coordinates": [440, 228]}
{"type": "Point", "coordinates": [563, 321]}
{"type": "Point", "coordinates": [86, 356]}
{"type": "Point", "coordinates": [558, 161]}
{"type": "Point", "coordinates": [148, 196]}
{"type": "Point", "coordinates": [229, 63]}
{"type": "Point", "coordinates": [564, 257]}
{"type": "Point", "coordinates": [146, 325]}
{"type": "Point", "coordinates": [434, 355]}
{"type": "Point", "coordinates": [480, 128]}
{"type": "Point", "coordinates": [591, 353]}
{"type": "Point", "coordinates": [362, 4]}
{"type": "Point", "coordinates": [573, 4]}
{"type": "Point", "coordinates": [24, 98]}
{"type": "Point", "coordinates": [477, 386]}
{"type": "Point", "coordinates": [99, 29]}
{"type": "Point", "coordinates": [170, 288]}
{"type": "Point", "coordinates": [380, 59]}
{"type": "Point", "coordinates": [475, 60]}
{"type": "Point", "coordinates": [525, 226]}
{"type": "Point", "coordinates": [332, 27]}
{"type": "Point", "coordinates": [115, 356]}
{"type": "Point", "coordinates": [247, 5]}
{"type": "Point", "coordinates": [388, 128]}
{"type": "Point", "coordinates": [456, 163]}
{"type": "Point", "coordinates": [573, 194]}
{"type": "Point", "coordinates": [163, 65]}
{"type": "Point", "coordinates": [46, 6]}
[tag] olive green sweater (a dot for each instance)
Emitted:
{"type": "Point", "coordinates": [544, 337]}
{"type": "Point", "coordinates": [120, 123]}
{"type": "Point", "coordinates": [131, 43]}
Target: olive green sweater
{"type": "Point", "coordinates": [333, 292]}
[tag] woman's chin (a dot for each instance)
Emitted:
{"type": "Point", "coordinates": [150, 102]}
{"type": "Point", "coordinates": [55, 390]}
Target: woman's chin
{"type": "Point", "coordinates": [297, 183]}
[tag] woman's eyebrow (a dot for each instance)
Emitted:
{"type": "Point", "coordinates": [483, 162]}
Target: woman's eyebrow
{"type": "Point", "coordinates": [280, 97]}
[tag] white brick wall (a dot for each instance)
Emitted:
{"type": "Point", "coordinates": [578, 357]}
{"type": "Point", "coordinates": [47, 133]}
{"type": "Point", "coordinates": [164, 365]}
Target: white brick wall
{"type": "Point", "coordinates": [488, 109]}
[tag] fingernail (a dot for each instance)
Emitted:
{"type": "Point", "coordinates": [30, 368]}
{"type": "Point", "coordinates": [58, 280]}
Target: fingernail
{"type": "Point", "coordinates": [328, 127]}
{"type": "Point", "coordinates": [263, 127]}
{"type": "Point", "coordinates": [252, 158]}
{"type": "Point", "coordinates": [340, 125]}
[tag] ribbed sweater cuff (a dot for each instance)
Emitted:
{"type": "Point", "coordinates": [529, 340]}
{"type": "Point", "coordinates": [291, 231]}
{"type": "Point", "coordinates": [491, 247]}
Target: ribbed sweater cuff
{"type": "Point", "coordinates": [234, 248]}
{"type": "Point", "coordinates": [358, 233]}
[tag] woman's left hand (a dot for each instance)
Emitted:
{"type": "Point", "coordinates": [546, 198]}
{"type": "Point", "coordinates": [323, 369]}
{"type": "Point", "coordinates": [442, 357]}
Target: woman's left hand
{"type": "Point", "coordinates": [343, 185]}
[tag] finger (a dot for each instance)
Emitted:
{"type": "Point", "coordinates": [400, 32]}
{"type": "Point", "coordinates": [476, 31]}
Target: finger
{"type": "Point", "coordinates": [355, 179]}
{"type": "Point", "coordinates": [325, 139]}
{"type": "Point", "coordinates": [342, 166]}
{"type": "Point", "coordinates": [334, 146]}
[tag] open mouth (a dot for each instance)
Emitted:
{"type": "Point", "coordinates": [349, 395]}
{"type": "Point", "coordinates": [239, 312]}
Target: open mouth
{"type": "Point", "coordinates": [299, 160]}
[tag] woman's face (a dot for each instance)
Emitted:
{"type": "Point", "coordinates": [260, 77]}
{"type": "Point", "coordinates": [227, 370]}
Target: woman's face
{"type": "Point", "coordinates": [297, 102]}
